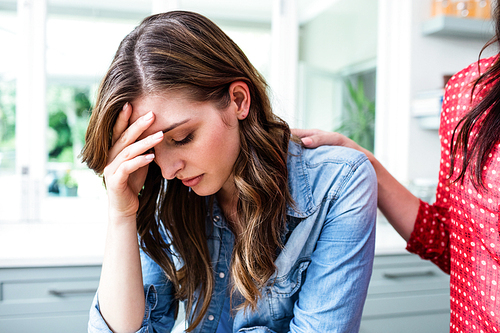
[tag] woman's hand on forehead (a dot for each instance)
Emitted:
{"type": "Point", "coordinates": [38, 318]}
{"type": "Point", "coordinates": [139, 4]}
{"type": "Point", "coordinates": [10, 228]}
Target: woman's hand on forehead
{"type": "Point", "coordinates": [127, 165]}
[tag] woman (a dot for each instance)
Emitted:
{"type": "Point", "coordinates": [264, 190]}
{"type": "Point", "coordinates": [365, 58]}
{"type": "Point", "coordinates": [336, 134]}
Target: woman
{"type": "Point", "coordinates": [460, 231]}
{"type": "Point", "coordinates": [252, 231]}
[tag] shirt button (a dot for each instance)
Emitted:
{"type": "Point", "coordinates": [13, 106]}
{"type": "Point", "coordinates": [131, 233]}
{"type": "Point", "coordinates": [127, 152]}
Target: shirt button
{"type": "Point", "coordinates": [216, 218]}
{"type": "Point", "coordinates": [211, 317]}
{"type": "Point", "coordinates": [221, 275]}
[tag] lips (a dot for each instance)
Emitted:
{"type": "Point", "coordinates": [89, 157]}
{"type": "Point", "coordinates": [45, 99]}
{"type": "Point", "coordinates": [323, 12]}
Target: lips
{"type": "Point", "coordinates": [190, 182]}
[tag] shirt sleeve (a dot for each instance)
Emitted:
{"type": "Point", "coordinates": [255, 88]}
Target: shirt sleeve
{"type": "Point", "coordinates": [430, 237]}
{"type": "Point", "coordinates": [97, 324]}
{"type": "Point", "coordinates": [161, 308]}
{"type": "Point", "coordinates": [333, 294]}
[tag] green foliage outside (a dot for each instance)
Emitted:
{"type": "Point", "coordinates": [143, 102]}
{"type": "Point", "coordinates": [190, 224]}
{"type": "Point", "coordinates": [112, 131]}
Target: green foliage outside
{"type": "Point", "coordinates": [7, 114]}
{"type": "Point", "coordinates": [358, 121]}
{"type": "Point", "coordinates": [58, 121]}
{"type": "Point", "coordinates": [7, 124]}
{"type": "Point", "coordinates": [69, 109]}
{"type": "Point", "coordinates": [68, 180]}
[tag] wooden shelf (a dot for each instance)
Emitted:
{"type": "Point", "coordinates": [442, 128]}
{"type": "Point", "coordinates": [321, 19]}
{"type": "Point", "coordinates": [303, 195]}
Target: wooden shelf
{"type": "Point", "coordinates": [447, 26]}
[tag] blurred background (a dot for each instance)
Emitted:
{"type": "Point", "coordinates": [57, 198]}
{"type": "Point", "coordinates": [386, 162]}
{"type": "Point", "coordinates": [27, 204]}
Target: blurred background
{"type": "Point", "coordinates": [319, 58]}
{"type": "Point", "coordinates": [371, 69]}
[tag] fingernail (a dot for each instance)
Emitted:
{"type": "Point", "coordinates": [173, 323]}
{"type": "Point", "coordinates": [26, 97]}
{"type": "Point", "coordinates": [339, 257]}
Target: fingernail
{"type": "Point", "coordinates": [158, 135]}
{"type": "Point", "coordinates": [148, 115]}
{"type": "Point", "coordinates": [306, 141]}
{"type": "Point", "coordinates": [149, 157]}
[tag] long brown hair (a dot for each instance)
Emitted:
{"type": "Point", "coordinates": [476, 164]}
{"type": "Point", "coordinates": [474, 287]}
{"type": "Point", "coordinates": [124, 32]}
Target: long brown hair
{"type": "Point", "coordinates": [186, 51]}
{"type": "Point", "coordinates": [475, 151]}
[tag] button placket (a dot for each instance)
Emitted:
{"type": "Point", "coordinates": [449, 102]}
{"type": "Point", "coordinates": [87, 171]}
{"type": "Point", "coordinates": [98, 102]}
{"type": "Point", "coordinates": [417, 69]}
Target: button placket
{"type": "Point", "coordinates": [223, 254]}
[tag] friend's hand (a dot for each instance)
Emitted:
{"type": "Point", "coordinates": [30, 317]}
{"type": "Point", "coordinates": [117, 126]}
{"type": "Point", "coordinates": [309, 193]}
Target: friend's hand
{"type": "Point", "coordinates": [312, 138]}
{"type": "Point", "coordinates": [127, 165]}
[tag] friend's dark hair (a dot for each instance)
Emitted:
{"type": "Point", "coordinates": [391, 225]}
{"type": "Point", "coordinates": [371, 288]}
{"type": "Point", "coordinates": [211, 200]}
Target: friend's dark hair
{"type": "Point", "coordinates": [484, 116]}
{"type": "Point", "coordinates": [186, 52]}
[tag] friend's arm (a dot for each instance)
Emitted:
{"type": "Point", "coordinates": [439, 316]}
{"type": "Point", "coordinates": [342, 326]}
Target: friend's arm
{"type": "Point", "coordinates": [398, 205]}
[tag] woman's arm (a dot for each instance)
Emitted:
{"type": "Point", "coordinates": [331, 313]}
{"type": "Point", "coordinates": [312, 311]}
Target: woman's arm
{"type": "Point", "coordinates": [398, 205]}
{"type": "Point", "coordinates": [121, 291]}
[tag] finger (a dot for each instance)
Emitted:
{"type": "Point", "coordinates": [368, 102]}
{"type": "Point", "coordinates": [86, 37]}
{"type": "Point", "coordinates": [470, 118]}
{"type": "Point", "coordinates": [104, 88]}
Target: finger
{"type": "Point", "coordinates": [301, 133]}
{"type": "Point", "coordinates": [131, 134]}
{"type": "Point", "coordinates": [325, 138]}
{"type": "Point", "coordinates": [120, 178]}
{"type": "Point", "coordinates": [121, 123]}
{"type": "Point", "coordinates": [312, 141]}
{"type": "Point", "coordinates": [131, 166]}
{"type": "Point", "coordinates": [136, 149]}
{"type": "Point", "coordinates": [307, 142]}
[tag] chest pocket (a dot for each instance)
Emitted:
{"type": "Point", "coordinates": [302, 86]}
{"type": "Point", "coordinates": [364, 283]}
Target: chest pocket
{"type": "Point", "coordinates": [283, 294]}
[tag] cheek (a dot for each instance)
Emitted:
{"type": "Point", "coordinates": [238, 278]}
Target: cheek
{"type": "Point", "coordinates": [225, 144]}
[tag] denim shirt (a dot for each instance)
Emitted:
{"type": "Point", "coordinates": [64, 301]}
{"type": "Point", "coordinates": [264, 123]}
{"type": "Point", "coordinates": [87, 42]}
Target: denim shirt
{"type": "Point", "coordinates": [323, 271]}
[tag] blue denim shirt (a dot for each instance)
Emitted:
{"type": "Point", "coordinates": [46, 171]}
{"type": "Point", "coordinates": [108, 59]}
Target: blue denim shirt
{"type": "Point", "coordinates": [323, 271]}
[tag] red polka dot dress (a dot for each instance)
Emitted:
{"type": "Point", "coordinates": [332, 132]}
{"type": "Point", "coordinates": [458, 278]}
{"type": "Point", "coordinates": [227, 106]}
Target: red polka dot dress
{"type": "Point", "coordinates": [460, 231]}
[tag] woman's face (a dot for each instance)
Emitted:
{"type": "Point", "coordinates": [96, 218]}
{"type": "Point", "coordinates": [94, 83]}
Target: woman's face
{"type": "Point", "coordinates": [200, 143]}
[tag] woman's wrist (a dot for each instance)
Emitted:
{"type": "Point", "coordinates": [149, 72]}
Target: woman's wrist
{"type": "Point", "coordinates": [116, 218]}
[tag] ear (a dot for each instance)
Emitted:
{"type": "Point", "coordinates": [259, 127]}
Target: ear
{"type": "Point", "coordinates": [240, 98]}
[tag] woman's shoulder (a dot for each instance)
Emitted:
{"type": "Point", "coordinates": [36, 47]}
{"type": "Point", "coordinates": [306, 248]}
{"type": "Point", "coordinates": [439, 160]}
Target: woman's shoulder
{"type": "Point", "coordinates": [460, 95]}
{"type": "Point", "coordinates": [326, 157]}
{"type": "Point", "coordinates": [315, 174]}
{"type": "Point", "coordinates": [463, 79]}
{"type": "Point", "coordinates": [333, 155]}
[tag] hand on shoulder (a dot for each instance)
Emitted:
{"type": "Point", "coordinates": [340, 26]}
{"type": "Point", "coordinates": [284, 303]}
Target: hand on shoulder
{"type": "Point", "coordinates": [312, 138]}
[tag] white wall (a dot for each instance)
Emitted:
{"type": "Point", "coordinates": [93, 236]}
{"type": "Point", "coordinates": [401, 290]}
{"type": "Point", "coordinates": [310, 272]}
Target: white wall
{"type": "Point", "coordinates": [343, 35]}
{"type": "Point", "coordinates": [339, 39]}
{"type": "Point", "coordinates": [407, 63]}
{"type": "Point", "coordinates": [431, 58]}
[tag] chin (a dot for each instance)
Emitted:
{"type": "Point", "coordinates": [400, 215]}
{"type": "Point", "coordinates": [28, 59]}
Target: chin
{"type": "Point", "coordinates": [203, 192]}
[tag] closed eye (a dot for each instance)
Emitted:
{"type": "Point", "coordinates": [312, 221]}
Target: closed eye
{"type": "Point", "coordinates": [184, 141]}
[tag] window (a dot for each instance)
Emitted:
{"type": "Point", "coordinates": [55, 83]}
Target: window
{"type": "Point", "coordinates": [8, 27]}
{"type": "Point", "coordinates": [80, 45]}
{"type": "Point", "coordinates": [79, 51]}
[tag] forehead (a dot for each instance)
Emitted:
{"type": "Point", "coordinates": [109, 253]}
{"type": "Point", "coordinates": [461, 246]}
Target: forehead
{"type": "Point", "coordinates": [167, 102]}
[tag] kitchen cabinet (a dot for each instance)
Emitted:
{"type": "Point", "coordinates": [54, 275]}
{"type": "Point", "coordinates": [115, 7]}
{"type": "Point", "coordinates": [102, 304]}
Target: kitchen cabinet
{"type": "Point", "coordinates": [46, 299]}
{"type": "Point", "coordinates": [406, 294]}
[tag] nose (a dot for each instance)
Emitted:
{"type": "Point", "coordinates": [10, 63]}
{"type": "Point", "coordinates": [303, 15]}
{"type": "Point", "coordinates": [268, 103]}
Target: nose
{"type": "Point", "coordinates": [169, 163]}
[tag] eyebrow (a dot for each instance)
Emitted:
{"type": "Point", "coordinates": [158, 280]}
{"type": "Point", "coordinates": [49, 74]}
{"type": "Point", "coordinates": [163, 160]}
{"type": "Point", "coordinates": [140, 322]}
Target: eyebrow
{"type": "Point", "coordinates": [171, 127]}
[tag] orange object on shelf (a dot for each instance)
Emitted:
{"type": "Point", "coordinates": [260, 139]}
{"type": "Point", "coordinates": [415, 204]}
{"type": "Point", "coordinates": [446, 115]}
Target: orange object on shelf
{"type": "Point", "coordinates": [477, 9]}
{"type": "Point", "coordinates": [461, 8]}
{"type": "Point", "coordinates": [441, 7]}
{"type": "Point", "coordinates": [482, 9]}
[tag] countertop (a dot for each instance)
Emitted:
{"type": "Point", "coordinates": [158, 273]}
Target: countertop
{"type": "Point", "coordinates": [69, 244]}
{"type": "Point", "coordinates": [51, 244]}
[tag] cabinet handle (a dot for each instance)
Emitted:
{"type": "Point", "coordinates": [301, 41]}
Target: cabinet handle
{"type": "Point", "coordinates": [69, 292]}
{"type": "Point", "coordinates": [408, 274]}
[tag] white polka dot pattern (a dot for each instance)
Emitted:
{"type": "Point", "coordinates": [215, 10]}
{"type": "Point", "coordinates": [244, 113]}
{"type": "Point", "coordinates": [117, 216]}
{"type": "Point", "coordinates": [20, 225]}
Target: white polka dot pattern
{"type": "Point", "coordinates": [460, 232]}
